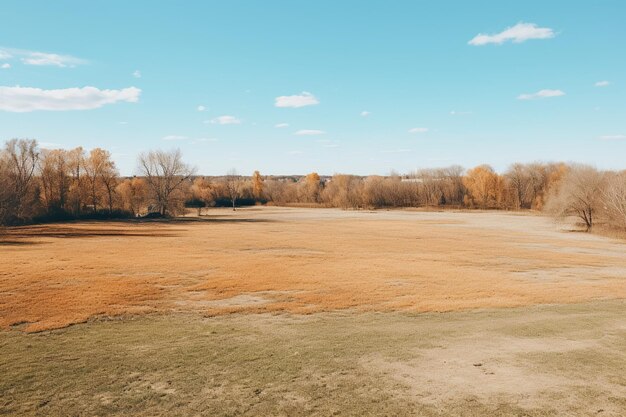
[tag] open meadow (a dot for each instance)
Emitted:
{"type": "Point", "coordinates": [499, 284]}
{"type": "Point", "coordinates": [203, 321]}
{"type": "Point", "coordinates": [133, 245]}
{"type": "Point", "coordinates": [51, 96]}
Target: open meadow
{"type": "Point", "coordinates": [293, 311]}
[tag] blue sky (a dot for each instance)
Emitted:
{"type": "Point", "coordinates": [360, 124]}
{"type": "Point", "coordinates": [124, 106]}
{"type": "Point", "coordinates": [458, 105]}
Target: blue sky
{"type": "Point", "coordinates": [380, 85]}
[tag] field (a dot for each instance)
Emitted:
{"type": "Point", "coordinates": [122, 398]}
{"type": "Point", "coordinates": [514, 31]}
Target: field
{"type": "Point", "coordinates": [278, 311]}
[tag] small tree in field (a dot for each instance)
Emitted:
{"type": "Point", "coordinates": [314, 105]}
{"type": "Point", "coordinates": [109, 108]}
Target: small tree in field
{"type": "Point", "coordinates": [578, 194]}
{"type": "Point", "coordinates": [165, 174]}
{"type": "Point", "coordinates": [233, 185]}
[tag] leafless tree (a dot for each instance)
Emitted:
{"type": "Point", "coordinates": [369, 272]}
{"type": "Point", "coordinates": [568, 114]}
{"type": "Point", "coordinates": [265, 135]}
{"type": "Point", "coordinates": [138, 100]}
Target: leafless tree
{"type": "Point", "coordinates": [614, 199]}
{"type": "Point", "coordinates": [165, 174]}
{"type": "Point", "coordinates": [233, 185]}
{"type": "Point", "coordinates": [101, 176]}
{"type": "Point", "coordinates": [20, 160]}
{"type": "Point", "coordinates": [578, 194]}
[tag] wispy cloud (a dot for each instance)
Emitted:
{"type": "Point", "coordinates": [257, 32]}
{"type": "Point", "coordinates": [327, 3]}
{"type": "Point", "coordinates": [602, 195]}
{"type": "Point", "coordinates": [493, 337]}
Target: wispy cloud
{"type": "Point", "coordinates": [418, 130]}
{"type": "Point", "coordinates": [295, 101]}
{"type": "Point", "coordinates": [281, 125]}
{"type": "Point", "coordinates": [225, 120]}
{"type": "Point", "coordinates": [517, 34]}
{"type": "Point", "coordinates": [173, 137]}
{"type": "Point", "coordinates": [6, 65]}
{"type": "Point", "coordinates": [137, 74]}
{"type": "Point", "coordinates": [460, 113]}
{"type": "Point", "coordinates": [309, 132]}
{"type": "Point", "coordinates": [41, 58]}
{"type": "Point", "coordinates": [56, 60]}
{"type": "Point", "coordinates": [602, 83]}
{"type": "Point", "coordinates": [541, 94]}
{"type": "Point", "coordinates": [201, 108]}
{"type": "Point", "coordinates": [26, 99]}
{"type": "Point", "coordinates": [365, 113]}
{"type": "Point", "coordinates": [612, 137]}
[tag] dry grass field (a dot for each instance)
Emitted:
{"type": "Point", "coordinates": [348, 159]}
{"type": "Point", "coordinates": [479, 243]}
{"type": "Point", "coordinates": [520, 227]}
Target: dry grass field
{"type": "Point", "coordinates": [337, 312]}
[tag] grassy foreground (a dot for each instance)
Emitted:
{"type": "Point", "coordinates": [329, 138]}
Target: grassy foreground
{"type": "Point", "coordinates": [532, 361]}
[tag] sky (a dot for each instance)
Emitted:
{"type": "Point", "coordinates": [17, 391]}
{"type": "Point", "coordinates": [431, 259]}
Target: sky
{"type": "Point", "coordinates": [291, 87]}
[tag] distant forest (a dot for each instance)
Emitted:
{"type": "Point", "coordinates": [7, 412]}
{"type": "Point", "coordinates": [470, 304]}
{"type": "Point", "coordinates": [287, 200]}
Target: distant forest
{"type": "Point", "coordinates": [38, 185]}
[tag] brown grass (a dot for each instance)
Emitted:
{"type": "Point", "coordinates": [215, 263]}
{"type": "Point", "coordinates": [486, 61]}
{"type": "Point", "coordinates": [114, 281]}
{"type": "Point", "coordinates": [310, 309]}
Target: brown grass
{"type": "Point", "coordinates": [299, 261]}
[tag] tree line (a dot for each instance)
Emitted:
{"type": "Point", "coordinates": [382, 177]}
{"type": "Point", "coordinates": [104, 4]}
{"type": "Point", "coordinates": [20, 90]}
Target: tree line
{"type": "Point", "coordinates": [54, 184]}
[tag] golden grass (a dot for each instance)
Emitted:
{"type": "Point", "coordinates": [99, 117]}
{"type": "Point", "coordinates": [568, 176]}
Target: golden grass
{"type": "Point", "coordinates": [299, 261]}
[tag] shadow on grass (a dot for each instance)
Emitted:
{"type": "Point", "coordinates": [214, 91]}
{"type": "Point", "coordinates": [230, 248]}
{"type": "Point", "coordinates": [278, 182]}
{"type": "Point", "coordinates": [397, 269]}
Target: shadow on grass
{"type": "Point", "coordinates": [23, 235]}
{"type": "Point", "coordinates": [16, 243]}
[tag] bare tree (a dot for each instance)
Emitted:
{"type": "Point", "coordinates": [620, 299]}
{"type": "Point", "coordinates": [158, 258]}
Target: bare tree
{"type": "Point", "coordinates": [21, 156]}
{"type": "Point", "coordinates": [519, 184]}
{"type": "Point", "coordinates": [55, 182]}
{"type": "Point", "coordinates": [101, 176]}
{"type": "Point", "coordinates": [614, 199]}
{"type": "Point", "coordinates": [78, 191]}
{"type": "Point", "coordinates": [233, 185]}
{"type": "Point", "coordinates": [578, 194]}
{"type": "Point", "coordinates": [165, 174]}
{"type": "Point", "coordinates": [5, 191]}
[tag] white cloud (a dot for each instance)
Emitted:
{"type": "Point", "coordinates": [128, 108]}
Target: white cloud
{"type": "Point", "coordinates": [602, 83]}
{"type": "Point", "coordinates": [26, 99]}
{"type": "Point", "coordinates": [6, 65]}
{"type": "Point", "coordinates": [613, 137]}
{"type": "Point", "coordinates": [295, 101]}
{"type": "Point", "coordinates": [365, 113]}
{"type": "Point", "coordinates": [418, 130]}
{"type": "Point", "coordinates": [309, 132]}
{"type": "Point", "coordinates": [225, 120]}
{"type": "Point", "coordinates": [201, 108]}
{"type": "Point", "coordinates": [281, 125]}
{"type": "Point", "coordinates": [541, 94]}
{"type": "Point", "coordinates": [517, 34]}
{"type": "Point", "coordinates": [173, 137]}
{"type": "Point", "coordinates": [137, 74]}
{"type": "Point", "coordinates": [42, 58]}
